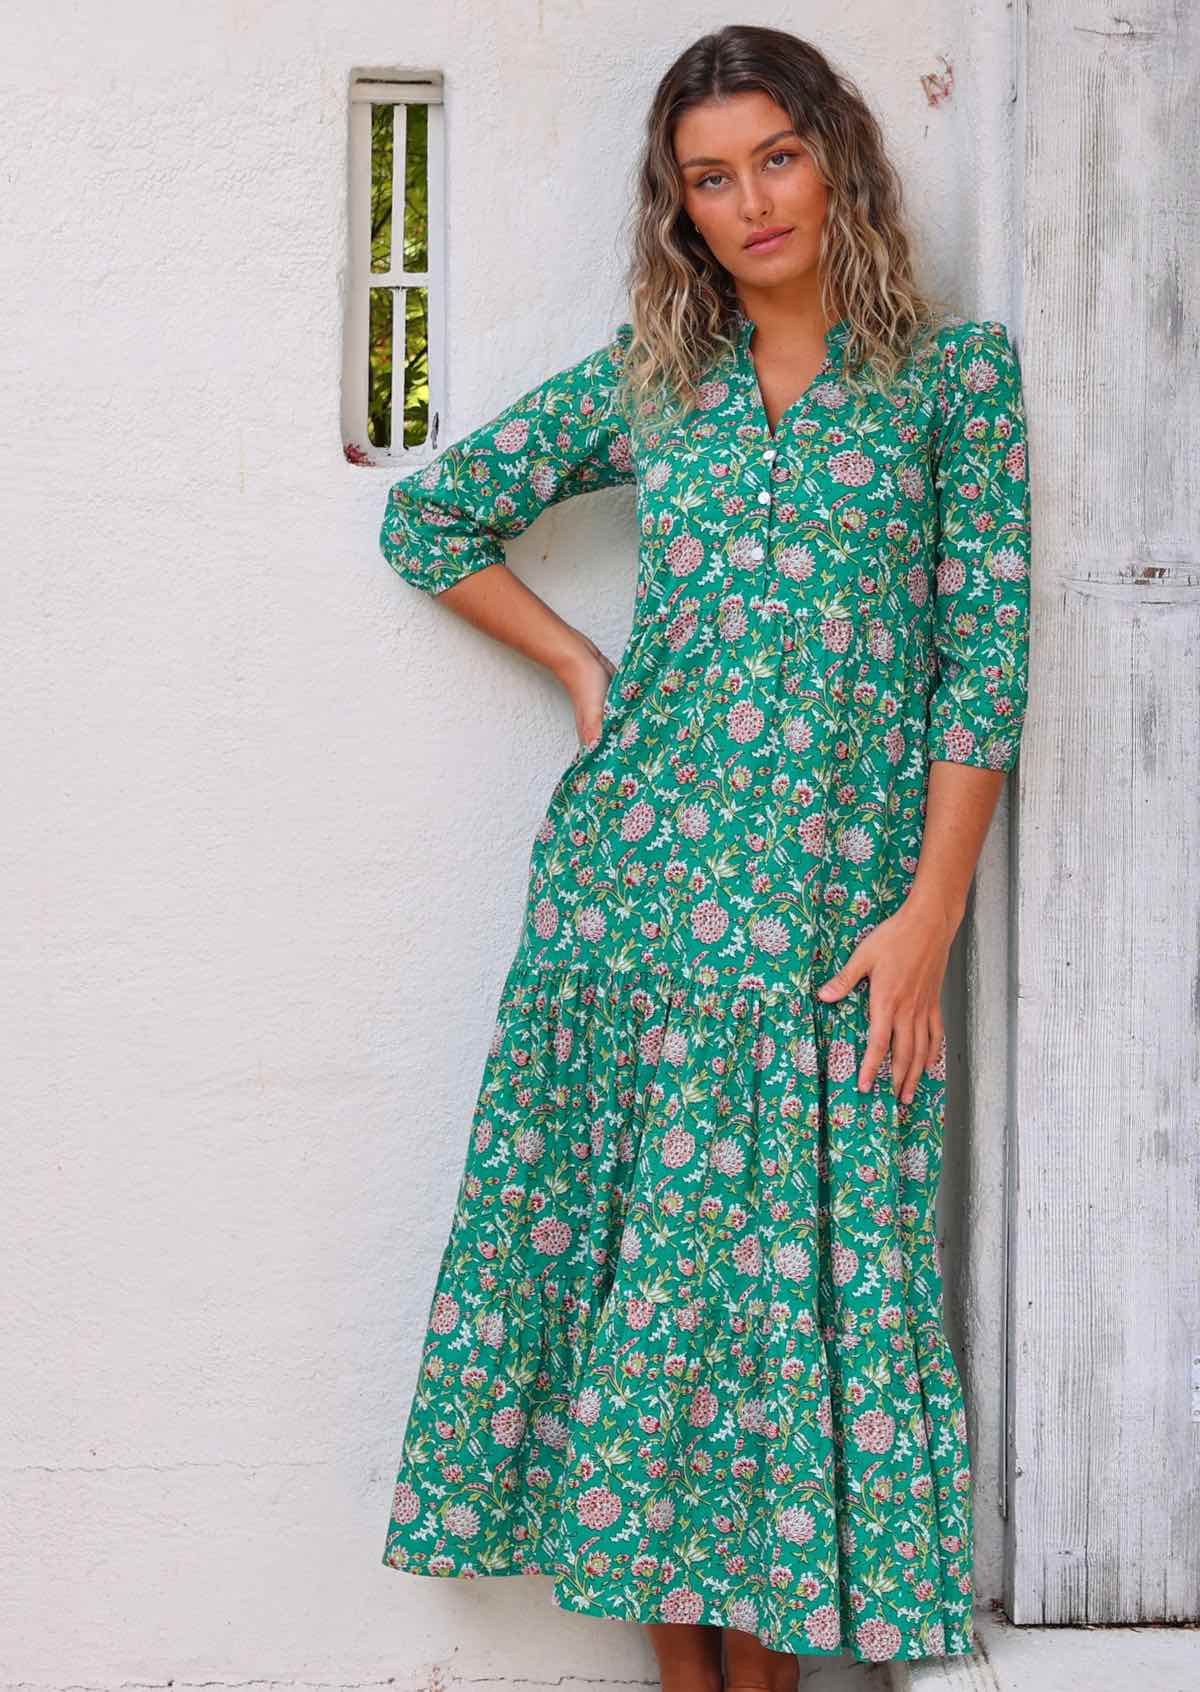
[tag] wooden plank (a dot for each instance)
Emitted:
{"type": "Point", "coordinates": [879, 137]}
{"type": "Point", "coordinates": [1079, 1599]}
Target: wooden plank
{"type": "Point", "coordinates": [1104, 1520]}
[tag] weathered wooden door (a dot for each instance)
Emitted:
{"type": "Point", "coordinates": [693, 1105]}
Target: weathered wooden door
{"type": "Point", "coordinates": [1103, 1325]}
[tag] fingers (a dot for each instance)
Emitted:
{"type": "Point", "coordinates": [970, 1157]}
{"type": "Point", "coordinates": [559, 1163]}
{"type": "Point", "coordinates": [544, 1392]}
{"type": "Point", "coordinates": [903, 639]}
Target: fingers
{"type": "Point", "coordinates": [937, 1040]}
{"type": "Point", "coordinates": [878, 1040]}
{"type": "Point", "coordinates": [911, 1033]}
{"type": "Point", "coordinates": [590, 732]}
{"type": "Point", "coordinates": [902, 1051]}
{"type": "Point", "coordinates": [851, 973]}
{"type": "Point", "coordinates": [916, 1065]}
{"type": "Point", "coordinates": [913, 1046]}
{"type": "Point", "coordinates": [590, 726]}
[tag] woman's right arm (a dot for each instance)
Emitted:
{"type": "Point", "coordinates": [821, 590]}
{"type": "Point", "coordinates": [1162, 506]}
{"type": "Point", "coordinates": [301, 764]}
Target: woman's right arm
{"type": "Point", "coordinates": [445, 525]}
{"type": "Point", "coordinates": [499, 603]}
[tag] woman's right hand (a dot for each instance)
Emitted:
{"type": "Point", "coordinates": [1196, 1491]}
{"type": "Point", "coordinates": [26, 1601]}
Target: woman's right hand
{"type": "Point", "coordinates": [503, 606]}
{"type": "Point", "coordinates": [586, 675]}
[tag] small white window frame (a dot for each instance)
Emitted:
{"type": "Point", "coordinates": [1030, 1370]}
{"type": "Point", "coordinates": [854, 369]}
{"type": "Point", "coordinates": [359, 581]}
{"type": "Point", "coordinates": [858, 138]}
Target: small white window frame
{"type": "Point", "coordinates": [398, 89]}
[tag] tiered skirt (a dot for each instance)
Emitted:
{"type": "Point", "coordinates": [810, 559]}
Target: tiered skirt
{"type": "Point", "coordinates": [685, 1350]}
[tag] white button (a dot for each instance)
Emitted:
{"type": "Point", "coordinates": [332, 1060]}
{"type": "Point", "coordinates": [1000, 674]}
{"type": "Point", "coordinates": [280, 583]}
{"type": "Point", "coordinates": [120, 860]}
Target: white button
{"type": "Point", "coordinates": [769, 455]}
{"type": "Point", "coordinates": [764, 498]}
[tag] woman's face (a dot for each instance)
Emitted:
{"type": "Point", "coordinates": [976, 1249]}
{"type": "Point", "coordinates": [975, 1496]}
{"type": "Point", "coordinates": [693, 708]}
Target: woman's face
{"type": "Point", "coordinates": [744, 169]}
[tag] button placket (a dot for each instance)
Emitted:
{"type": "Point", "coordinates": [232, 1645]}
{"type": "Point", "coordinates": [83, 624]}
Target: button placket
{"type": "Point", "coordinates": [762, 524]}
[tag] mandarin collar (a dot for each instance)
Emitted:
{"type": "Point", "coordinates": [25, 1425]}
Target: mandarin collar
{"type": "Point", "coordinates": [744, 326]}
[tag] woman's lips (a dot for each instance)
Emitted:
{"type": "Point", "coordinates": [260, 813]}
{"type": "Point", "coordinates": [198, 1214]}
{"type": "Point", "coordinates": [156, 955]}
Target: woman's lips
{"type": "Point", "coordinates": [770, 245]}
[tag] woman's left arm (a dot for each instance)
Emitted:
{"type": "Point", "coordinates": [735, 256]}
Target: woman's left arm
{"type": "Point", "coordinates": [977, 706]}
{"type": "Point", "coordinates": [906, 955]}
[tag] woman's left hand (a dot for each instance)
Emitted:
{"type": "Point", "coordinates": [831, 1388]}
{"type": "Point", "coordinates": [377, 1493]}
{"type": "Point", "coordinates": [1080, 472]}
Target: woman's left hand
{"type": "Point", "coordinates": [905, 958]}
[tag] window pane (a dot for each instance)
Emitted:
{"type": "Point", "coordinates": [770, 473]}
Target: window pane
{"type": "Point", "coordinates": [416, 189]}
{"type": "Point", "coordinates": [416, 366]}
{"type": "Point", "coordinates": [379, 394]}
{"type": "Point", "coordinates": [381, 187]}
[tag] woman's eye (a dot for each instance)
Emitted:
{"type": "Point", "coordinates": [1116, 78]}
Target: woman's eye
{"type": "Point", "coordinates": [715, 176]}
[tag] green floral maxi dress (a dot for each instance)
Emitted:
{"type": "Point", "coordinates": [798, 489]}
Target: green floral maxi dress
{"type": "Point", "coordinates": [685, 1350]}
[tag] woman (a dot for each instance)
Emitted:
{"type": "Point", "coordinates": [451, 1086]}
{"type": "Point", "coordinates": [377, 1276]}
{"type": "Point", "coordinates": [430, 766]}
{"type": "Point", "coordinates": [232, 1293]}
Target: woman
{"type": "Point", "coordinates": [685, 1349]}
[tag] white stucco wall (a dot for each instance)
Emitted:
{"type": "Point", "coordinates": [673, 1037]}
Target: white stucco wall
{"type": "Point", "coordinates": [270, 808]}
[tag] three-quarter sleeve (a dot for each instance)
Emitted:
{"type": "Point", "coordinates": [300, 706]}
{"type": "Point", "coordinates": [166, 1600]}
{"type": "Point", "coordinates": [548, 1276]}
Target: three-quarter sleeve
{"type": "Point", "coordinates": [565, 436]}
{"type": "Point", "coordinates": [981, 590]}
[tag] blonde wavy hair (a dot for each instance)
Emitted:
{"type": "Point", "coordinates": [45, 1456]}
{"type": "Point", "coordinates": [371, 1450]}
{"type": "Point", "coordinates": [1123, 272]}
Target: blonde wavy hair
{"type": "Point", "coordinates": [682, 303]}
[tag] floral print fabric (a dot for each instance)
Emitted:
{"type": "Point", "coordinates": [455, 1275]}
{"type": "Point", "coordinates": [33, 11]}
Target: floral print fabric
{"type": "Point", "coordinates": [685, 1350]}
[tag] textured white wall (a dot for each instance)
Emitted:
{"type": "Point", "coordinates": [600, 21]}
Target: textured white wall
{"type": "Point", "coordinates": [270, 808]}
